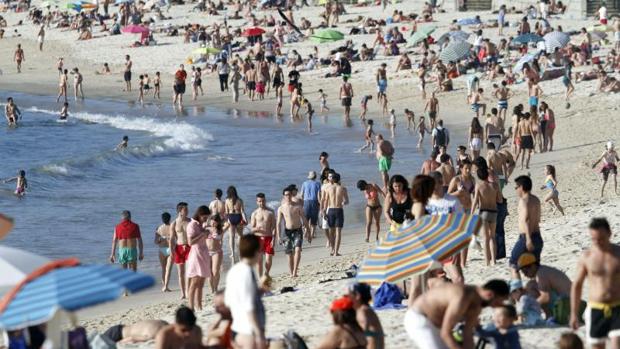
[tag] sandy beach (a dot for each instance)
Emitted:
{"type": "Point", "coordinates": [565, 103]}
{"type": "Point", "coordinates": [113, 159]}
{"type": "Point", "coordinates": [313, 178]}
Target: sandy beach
{"type": "Point", "coordinates": [580, 138]}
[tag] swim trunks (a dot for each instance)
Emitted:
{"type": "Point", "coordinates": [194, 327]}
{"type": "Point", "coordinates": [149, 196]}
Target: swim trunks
{"type": "Point", "coordinates": [475, 107]}
{"type": "Point", "coordinates": [127, 255]}
{"type": "Point", "coordinates": [533, 101]}
{"type": "Point", "coordinates": [431, 114]}
{"type": "Point", "coordinates": [422, 331]}
{"type": "Point", "coordinates": [335, 217]}
{"type": "Point", "coordinates": [294, 239]}
{"type": "Point", "coordinates": [127, 76]}
{"type": "Point", "coordinates": [311, 211]}
{"type": "Point", "coordinates": [180, 253]}
{"type": "Point", "coordinates": [114, 333]}
{"type": "Point", "coordinates": [489, 216]}
{"type": "Point", "coordinates": [607, 169]}
{"type": "Point", "coordinates": [520, 248]}
{"type": "Point", "coordinates": [266, 245]}
{"type": "Point", "coordinates": [382, 85]}
{"type": "Point", "coordinates": [346, 101]}
{"type": "Point", "coordinates": [602, 321]}
{"type": "Point", "coordinates": [385, 164]}
{"type": "Point", "coordinates": [179, 88]}
{"type": "Point", "coordinates": [502, 104]}
{"type": "Point", "coordinates": [251, 85]}
{"type": "Point", "coordinates": [291, 87]}
{"type": "Point", "coordinates": [527, 142]}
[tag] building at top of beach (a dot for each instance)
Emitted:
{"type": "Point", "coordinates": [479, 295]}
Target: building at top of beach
{"type": "Point", "coordinates": [576, 9]}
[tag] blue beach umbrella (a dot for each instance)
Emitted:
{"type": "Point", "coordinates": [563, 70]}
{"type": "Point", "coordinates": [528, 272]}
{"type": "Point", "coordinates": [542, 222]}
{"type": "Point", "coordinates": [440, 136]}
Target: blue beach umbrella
{"type": "Point", "coordinates": [417, 248]}
{"type": "Point", "coordinates": [527, 38]}
{"type": "Point", "coordinates": [69, 289]}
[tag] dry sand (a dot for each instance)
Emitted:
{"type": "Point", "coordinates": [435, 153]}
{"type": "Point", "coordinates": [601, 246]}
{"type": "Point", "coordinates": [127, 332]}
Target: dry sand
{"type": "Point", "coordinates": [580, 136]}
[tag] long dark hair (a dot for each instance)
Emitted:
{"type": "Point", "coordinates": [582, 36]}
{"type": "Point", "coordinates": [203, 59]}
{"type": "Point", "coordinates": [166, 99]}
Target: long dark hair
{"type": "Point", "coordinates": [346, 317]}
{"type": "Point", "coordinates": [201, 211]}
{"type": "Point", "coordinates": [476, 128]}
{"type": "Point", "coordinates": [422, 188]}
{"type": "Point", "coordinates": [231, 193]}
{"type": "Point", "coordinates": [218, 226]}
{"type": "Point", "coordinates": [399, 179]}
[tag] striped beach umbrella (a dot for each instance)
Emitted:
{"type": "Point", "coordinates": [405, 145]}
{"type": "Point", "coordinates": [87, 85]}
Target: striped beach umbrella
{"type": "Point", "coordinates": [555, 40]}
{"type": "Point", "coordinates": [453, 35]}
{"type": "Point", "coordinates": [421, 34]}
{"type": "Point", "coordinates": [417, 248]}
{"type": "Point", "coordinates": [527, 38]}
{"type": "Point", "coordinates": [16, 265]}
{"type": "Point", "coordinates": [66, 285]}
{"type": "Point", "coordinates": [455, 51]}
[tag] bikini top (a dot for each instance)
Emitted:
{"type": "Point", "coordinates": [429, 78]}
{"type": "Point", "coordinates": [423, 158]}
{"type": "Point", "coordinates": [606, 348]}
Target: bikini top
{"type": "Point", "coordinates": [372, 195]}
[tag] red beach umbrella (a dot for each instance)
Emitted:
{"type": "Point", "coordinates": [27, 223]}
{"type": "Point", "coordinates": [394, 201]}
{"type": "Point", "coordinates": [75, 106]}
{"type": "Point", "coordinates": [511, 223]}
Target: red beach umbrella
{"type": "Point", "coordinates": [253, 31]}
{"type": "Point", "coordinates": [135, 29]}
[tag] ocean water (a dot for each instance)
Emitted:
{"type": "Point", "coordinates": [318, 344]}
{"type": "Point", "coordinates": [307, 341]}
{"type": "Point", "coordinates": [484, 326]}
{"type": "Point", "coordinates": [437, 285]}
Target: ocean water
{"type": "Point", "coordinates": [78, 184]}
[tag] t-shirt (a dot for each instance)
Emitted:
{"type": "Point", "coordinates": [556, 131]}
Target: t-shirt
{"type": "Point", "coordinates": [180, 76]}
{"type": "Point", "coordinates": [293, 77]}
{"type": "Point", "coordinates": [127, 230]}
{"type": "Point", "coordinates": [508, 340]}
{"type": "Point", "coordinates": [446, 205]}
{"type": "Point", "coordinates": [310, 190]}
{"type": "Point", "coordinates": [242, 296]}
{"type": "Point", "coordinates": [602, 12]}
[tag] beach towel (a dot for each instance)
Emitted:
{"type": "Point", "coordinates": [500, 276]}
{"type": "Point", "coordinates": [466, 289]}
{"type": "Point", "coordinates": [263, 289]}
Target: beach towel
{"type": "Point", "coordinates": [388, 296]}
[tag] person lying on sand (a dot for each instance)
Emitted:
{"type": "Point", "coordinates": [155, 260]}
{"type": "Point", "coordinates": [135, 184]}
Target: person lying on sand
{"type": "Point", "coordinates": [140, 331]}
{"type": "Point", "coordinates": [184, 333]}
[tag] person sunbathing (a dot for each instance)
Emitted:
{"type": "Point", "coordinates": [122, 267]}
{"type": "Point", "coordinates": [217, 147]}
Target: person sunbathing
{"type": "Point", "coordinates": [140, 331]}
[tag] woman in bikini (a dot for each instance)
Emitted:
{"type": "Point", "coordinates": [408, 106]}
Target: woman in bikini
{"type": "Point", "coordinates": [162, 240]}
{"type": "Point", "coordinates": [235, 212]}
{"type": "Point", "coordinates": [346, 333]}
{"type": "Point", "coordinates": [62, 85]}
{"type": "Point", "coordinates": [397, 205]}
{"type": "Point", "coordinates": [214, 243]}
{"type": "Point", "coordinates": [372, 192]}
{"type": "Point", "coordinates": [476, 135]}
{"type": "Point", "coordinates": [548, 117]}
{"type": "Point", "coordinates": [551, 183]}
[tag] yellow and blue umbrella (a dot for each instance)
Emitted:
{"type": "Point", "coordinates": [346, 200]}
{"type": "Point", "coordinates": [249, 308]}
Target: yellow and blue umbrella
{"type": "Point", "coordinates": [418, 247]}
{"type": "Point", "coordinates": [69, 286]}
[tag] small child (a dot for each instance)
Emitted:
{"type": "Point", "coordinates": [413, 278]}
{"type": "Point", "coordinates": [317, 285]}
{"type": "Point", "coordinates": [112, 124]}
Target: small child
{"type": "Point", "coordinates": [551, 183]}
{"type": "Point", "coordinates": [323, 101]}
{"type": "Point", "coordinates": [123, 144]}
{"type": "Point", "coordinates": [309, 113]}
{"type": "Point", "coordinates": [570, 340]}
{"type": "Point", "coordinates": [410, 119]}
{"type": "Point", "coordinates": [141, 88]}
{"type": "Point", "coordinates": [392, 122]}
{"type": "Point", "coordinates": [503, 334]}
{"type": "Point", "coordinates": [528, 310]}
{"type": "Point", "coordinates": [365, 100]}
{"type": "Point", "coordinates": [368, 137]}
{"type": "Point", "coordinates": [64, 112]}
{"type": "Point", "coordinates": [156, 84]}
{"type": "Point", "coordinates": [21, 183]}
{"type": "Point", "coordinates": [147, 84]}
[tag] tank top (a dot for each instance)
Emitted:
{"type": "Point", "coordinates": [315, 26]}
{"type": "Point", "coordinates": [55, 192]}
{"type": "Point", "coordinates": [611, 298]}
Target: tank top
{"type": "Point", "coordinates": [180, 228]}
{"type": "Point", "coordinates": [400, 211]}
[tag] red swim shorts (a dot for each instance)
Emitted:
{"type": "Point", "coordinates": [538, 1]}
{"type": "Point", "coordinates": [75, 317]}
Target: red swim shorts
{"type": "Point", "coordinates": [266, 245]}
{"type": "Point", "coordinates": [180, 253]}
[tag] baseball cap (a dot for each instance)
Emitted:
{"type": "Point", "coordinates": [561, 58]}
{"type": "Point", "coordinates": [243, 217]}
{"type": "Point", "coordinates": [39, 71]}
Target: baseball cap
{"type": "Point", "coordinates": [311, 175]}
{"type": "Point", "coordinates": [525, 260]}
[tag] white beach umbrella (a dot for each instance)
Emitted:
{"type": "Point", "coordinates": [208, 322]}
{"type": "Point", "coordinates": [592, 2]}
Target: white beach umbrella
{"type": "Point", "coordinates": [15, 265]}
{"type": "Point", "coordinates": [555, 40]}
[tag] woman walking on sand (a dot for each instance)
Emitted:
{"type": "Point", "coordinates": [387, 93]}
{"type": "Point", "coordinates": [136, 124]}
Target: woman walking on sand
{"type": "Point", "coordinates": [235, 212]}
{"type": "Point", "coordinates": [214, 242]}
{"type": "Point", "coordinates": [476, 135]}
{"type": "Point", "coordinates": [198, 260]}
{"type": "Point", "coordinates": [372, 192]}
{"type": "Point", "coordinates": [397, 205]}
{"type": "Point", "coordinates": [551, 183]}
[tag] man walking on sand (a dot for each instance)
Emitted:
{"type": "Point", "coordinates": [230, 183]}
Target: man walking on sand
{"type": "Point", "coordinates": [311, 195]}
{"type": "Point", "coordinates": [334, 198]}
{"type": "Point", "coordinates": [129, 242]}
{"type": "Point", "coordinates": [294, 223]}
{"type": "Point", "coordinates": [432, 109]}
{"type": "Point", "coordinates": [600, 265]}
{"type": "Point", "coordinates": [346, 96]}
{"type": "Point", "coordinates": [19, 57]}
{"type": "Point", "coordinates": [263, 224]}
{"type": "Point", "coordinates": [486, 197]}
{"type": "Point", "coordinates": [528, 210]}
{"type": "Point", "coordinates": [127, 73]}
{"type": "Point", "coordinates": [431, 318]}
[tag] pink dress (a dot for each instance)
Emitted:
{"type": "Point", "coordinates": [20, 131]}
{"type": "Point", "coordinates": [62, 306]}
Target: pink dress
{"type": "Point", "coordinates": [198, 261]}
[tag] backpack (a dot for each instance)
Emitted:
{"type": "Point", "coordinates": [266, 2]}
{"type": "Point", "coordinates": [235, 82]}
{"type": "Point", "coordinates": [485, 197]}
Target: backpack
{"type": "Point", "coordinates": [440, 137]}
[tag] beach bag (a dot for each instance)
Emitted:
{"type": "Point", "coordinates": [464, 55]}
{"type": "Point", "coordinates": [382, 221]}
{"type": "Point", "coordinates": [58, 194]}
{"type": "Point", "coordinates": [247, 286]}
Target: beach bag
{"type": "Point", "coordinates": [387, 296]}
{"type": "Point", "coordinates": [294, 340]}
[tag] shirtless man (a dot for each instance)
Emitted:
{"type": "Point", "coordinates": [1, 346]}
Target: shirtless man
{"type": "Point", "coordinates": [346, 95]}
{"type": "Point", "coordinates": [535, 92]}
{"type": "Point", "coordinates": [179, 247]}
{"type": "Point", "coordinates": [525, 133]}
{"type": "Point", "coordinates": [263, 224]}
{"type": "Point", "coordinates": [429, 165]}
{"type": "Point", "coordinates": [384, 155]}
{"type": "Point", "coordinates": [368, 320]}
{"type": "Point", "coordinates": [553, 287]}
{"type": "Point", "coordinates": [11, 112]}
{"type": "Point", "coordinates": [494, 128]}
{"type": "Point", "coordinates": [127, 73]}
{"type": "Point", "coordinates": [141, 331]}
{"type": "Point", "coordinates": [497, 164]}
{"type": "Point", "coordinates": [510, 161]}
{"type": "Point", "coordinates": [528, 210]}
{"type": "Point", "coordinates": [184, 333]}
{"type": "Point", "coordinates": [476, 104]}
{"type": "Point", "coordinates": [62, 85]}
{"type": "Point", "coordinates": [446, 170]}
{"type": "Point", "coordinates": [77, 84]}
{"type": "Point", "coordinates": [294, 224]}
{"type": "Point", "coordinates": [431, 318]}
{"type": "Point", "coordinates": [333, 198]}
{"type": "Point", "coordinates": [381, 78]}
{"type": "Point", "coordinates": [19, 57]}
{"type": "Point", "coordinates": [600, 265]}
{"type": "Point", "coordinates": [486, 197]}
{"type": "Point", "coordinates": [265, 75]}
{"type": "Point", "coordinates": [432, 109]}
